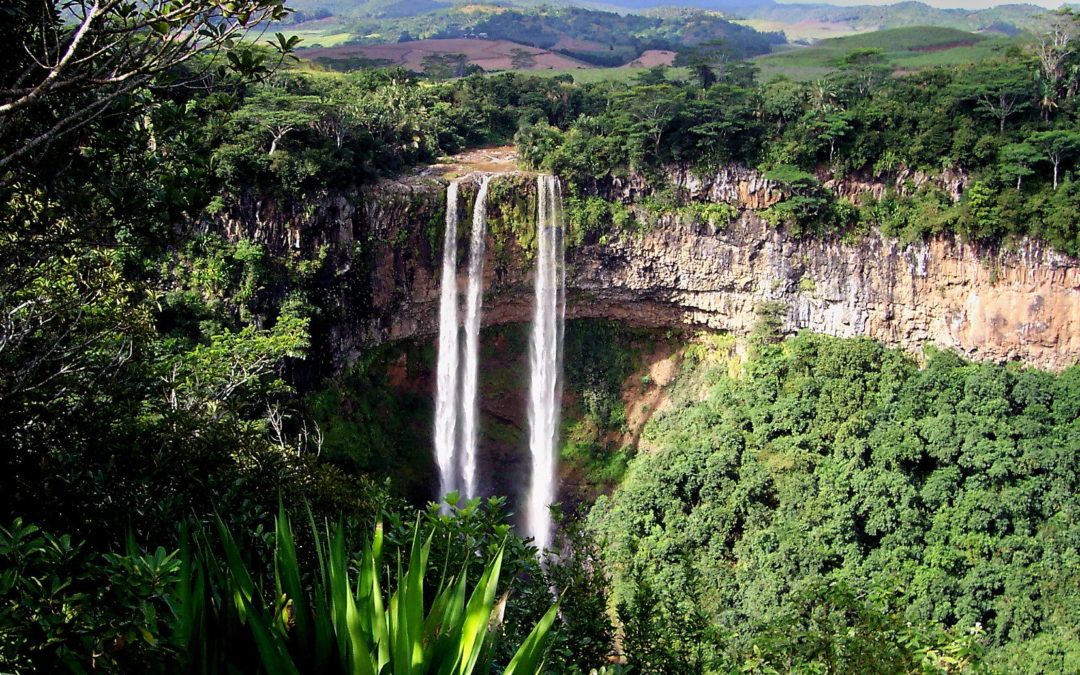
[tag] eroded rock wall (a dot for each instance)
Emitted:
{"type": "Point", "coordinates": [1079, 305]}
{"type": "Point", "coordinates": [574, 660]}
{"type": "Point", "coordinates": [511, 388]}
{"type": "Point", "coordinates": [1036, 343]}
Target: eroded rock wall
{"type": "Point", "coordinates": [989, 304]}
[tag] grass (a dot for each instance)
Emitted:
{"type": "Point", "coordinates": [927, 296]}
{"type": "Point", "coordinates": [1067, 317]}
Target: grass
{"type": "Point", "coordinates": [322, 39]}
{"type": "Point", "coordinates": [988, 49]}
{"type": "Point", "coordinates": [802, 31]}
{"type": "Point", "coordinates": [905, 48]}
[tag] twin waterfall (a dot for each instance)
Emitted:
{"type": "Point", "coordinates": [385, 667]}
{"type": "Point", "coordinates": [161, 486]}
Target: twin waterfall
{"type": "Point", "coordinates": [457, 391]}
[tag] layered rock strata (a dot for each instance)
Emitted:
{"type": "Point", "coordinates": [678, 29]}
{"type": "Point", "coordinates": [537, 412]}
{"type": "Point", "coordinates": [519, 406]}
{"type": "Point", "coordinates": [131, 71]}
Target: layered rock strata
{"type": "Point", "coordinates": [990, 304]}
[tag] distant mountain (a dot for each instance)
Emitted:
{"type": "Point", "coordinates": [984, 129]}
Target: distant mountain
{"type": "Point", "coordinates": [1004, 18]}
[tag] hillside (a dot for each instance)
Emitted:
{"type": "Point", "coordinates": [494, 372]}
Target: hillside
{"type": "Point", "coordinates": [871, 17]}
{"type": "Point", "coordinates": [600, 38]}
{"type": "Point", "coordinates": [417, 55]}
{"type": "Point", "coordinates": [861, 18]}
{"type": "Point", "coordinates": [905, 49]}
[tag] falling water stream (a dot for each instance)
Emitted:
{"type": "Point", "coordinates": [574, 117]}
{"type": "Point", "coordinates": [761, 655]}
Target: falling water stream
{"type": "Point", "coordinates": [545, 359]}
{"type": "Point", "coordinates": [446, 393]}
{"type": "Point", "coordinates": [456, 401]}
{"type": "Point", "coordinates": [470, 409]}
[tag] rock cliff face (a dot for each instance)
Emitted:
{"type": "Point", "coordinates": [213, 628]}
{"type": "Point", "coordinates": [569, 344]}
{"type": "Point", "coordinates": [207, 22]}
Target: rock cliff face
{"type": "Point", "coordinates": [986, 303]}
{"type": "Point", "coordinates": [990, 305]}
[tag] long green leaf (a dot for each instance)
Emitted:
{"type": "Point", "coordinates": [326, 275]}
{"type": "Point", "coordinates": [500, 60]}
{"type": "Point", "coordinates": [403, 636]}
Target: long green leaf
{"type": "Point", "coordinates": [446, 651]}
{"type": "Point", "coordinates": [400, 656]}
{"type": "Point", "coordinates": [275, 656]}
{"type": "Point", "coordinates": [324, 625]}
{"type": "Point", "coordinates": [287, 579]}
{"type": "Point", "coordinates": [380, 617]}
{"type": "Point", "coordinates": [240, 584]}
{"type": "Point", "coordinates": [477, 615]}
{"type": "Point", "coordinates": [527, 659]}
{"type": "Point", "coordinates": [412, 605]}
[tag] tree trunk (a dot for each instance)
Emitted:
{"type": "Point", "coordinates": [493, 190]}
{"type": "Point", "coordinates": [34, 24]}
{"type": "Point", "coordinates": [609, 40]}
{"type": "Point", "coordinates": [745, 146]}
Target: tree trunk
{"type": "Point", "coordinates": [1056, 163]}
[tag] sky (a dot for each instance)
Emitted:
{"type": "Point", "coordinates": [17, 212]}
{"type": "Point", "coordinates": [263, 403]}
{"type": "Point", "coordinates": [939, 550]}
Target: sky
{"type": "Point", "coordinates": [947, 4]}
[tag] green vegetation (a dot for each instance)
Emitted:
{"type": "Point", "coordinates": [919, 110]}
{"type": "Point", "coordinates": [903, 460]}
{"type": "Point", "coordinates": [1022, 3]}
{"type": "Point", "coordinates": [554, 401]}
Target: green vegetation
{"type": "Point", "coordinates": [289, 601]}
{"type": "Point", "coordinates": [368, 427]}
{"type": "Point", "coordinates": [181, 278]}
{"type": "Point", "coordinates": [156, 375]}
{"type": "Point", "coordinates": [606, 75]}
{"type": "Point", "coordinates": [836, 497]}
{"type": "Point", "coordinates": [340, 620]}
{"type": "Point", "coordinates": [1005, 125]}
{"type": "Point", "coordinates": [512, 218]}
{"type": "Point", "coordinates": [599, 358]}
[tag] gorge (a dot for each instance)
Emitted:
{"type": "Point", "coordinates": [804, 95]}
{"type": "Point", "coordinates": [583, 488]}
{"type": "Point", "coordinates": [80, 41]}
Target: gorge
{"type": "Point", "coordinates": [672, 271]}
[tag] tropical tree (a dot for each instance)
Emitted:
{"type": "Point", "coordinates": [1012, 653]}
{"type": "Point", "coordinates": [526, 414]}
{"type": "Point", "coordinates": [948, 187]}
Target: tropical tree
{"type": "Point", "coordinates": [703, 59]}
{"type": "Point", "coordinates": [647, 111]}
{"type": "Point", "coordinates": [999, 91]}
{"type": "Point", "coordinates": [782, 100]}
{"type": "Point", "coordinates": [522, 59]}
{"type": "Point", "coordinates": [278, 113]}
{"type": "Point", "coordinates": [1017, 160]}
{"type": "Point", "coordinates": [1054, 47]}
{"type": "Point", "coordinates": [860, 71]}
{"type": "Point", "coordinates": [1056, 146]}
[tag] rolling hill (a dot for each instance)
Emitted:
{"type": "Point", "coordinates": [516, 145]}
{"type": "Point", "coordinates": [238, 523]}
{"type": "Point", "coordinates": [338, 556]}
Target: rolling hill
{"type": "Point", "coordinates": [599, 38]}
{"type": "Point", "coordinates": [905, 49]}
{"type": "Point", "coordinates": [488, 54]}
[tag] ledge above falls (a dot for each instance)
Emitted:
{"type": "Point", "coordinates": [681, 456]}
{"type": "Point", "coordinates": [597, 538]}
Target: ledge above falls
{"type": "Point", "coordinates": [383, 245]}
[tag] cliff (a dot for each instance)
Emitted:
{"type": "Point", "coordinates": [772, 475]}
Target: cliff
{"type": "Point", "coordinates": [381, 273]}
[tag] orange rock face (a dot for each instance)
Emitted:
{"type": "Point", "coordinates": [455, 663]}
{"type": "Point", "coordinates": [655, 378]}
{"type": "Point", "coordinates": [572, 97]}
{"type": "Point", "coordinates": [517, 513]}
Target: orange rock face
{"type": "Point", "coordinates": [989, 305]}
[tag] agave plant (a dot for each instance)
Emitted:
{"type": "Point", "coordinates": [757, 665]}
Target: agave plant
{"type": "Point", "coordinates": [340, 620]}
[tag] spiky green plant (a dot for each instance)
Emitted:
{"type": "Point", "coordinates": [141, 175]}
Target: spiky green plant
{"type": "Point", "coordinates": [338, 619]}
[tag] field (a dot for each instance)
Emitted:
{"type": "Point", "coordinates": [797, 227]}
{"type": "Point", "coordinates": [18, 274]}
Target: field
{"type": "Point", "coordinates": [905, 49]}
{"type": "Point", "coordinates": [808, 29]}
{"type": "Point", "coordinates": [653, 57]}
{"type": "Point", "coordinates": [328, 32]}
{"type": "Point", "coordinates": [488, 54]}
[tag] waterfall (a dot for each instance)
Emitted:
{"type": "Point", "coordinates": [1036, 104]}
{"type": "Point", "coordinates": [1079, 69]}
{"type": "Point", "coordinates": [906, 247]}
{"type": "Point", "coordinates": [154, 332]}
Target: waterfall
{"type": "Point", "coordinates": [545, 358]}
{"type": "Point", "coordinates": [470, 410]}
{"type": "Point", "coordinates": [446, 393]}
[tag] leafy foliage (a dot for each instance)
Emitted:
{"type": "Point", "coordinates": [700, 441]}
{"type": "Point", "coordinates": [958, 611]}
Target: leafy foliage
{"type": "Point", "coordinates": [1004, 124]}
{"type": "Point", "coordinates": [287, 602]}
{"type": "Point", "coordinates": [924, 499]}
{"type": "Point", "coordinates": [341, 620]}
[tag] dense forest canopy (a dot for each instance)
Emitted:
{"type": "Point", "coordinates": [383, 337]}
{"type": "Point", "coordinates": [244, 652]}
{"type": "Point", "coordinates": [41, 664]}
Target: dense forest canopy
{"type": "Point", "coordinates": [935, 496]}
{"type": "Point", "coordinates": [833, 508]}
